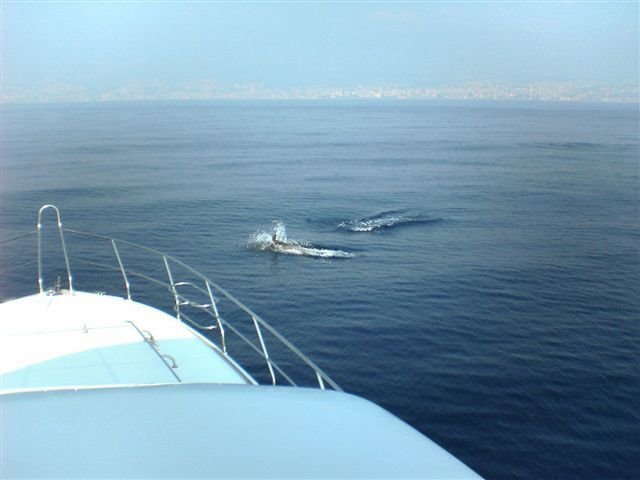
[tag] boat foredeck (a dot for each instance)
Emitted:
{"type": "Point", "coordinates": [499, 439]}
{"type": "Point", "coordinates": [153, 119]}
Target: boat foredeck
{"type": "Point", "coordinates": [85, 339]}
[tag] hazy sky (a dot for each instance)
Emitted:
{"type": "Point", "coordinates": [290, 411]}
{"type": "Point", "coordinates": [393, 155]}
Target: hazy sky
{"type": "Point", "coordinates": [104, 45]}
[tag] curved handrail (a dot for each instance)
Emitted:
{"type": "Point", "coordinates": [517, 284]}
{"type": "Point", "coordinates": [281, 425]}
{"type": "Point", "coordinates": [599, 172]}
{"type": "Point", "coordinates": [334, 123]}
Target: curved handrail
{"type": "Point", "coordinates": [209, 307]}
{"type": "Point", "coordinates": [224, 293]}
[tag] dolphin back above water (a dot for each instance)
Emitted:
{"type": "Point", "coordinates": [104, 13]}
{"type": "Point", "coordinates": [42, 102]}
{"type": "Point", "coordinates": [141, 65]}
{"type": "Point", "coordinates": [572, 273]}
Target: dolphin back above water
{"type": "Point", "coordinates": [284, 247]}
{"type": "Point", "coordinates": [386, 221]}
{"type": "Point", "coordinates": [279, 243]}
{"type": "Point", "coordinates": [279, 246]}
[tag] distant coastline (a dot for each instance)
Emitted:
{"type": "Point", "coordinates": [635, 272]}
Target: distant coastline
{"type": "Point", "coordinates": [207, 90]}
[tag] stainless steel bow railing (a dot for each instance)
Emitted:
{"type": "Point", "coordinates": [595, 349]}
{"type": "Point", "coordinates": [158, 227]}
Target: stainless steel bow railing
{"type": "Point", "coordinates": [181, 301]}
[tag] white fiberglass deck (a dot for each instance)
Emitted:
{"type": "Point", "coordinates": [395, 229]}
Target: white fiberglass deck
{"type": "Point", "coordinates": [85, 339]}
{"type": "Point", "coordinates": [212, 431]}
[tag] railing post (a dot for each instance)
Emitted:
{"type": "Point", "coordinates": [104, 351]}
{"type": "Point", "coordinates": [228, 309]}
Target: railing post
{"type": "Point", "coordinates": [215, 311]}
{"type": "Point", "coordinates": [264, 350]}
{"type": "Point", "coordinates": [124, 275]}
{"type": "Point", "coordinates": [64, 248]}
{"type": "Point", "coordinates": [173, 287]}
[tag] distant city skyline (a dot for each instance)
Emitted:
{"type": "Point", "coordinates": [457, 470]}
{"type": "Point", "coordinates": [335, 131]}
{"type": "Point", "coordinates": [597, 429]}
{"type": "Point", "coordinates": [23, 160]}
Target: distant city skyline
{"type": "Point", "coordinates": [209, 90]}
{"type": "Point", "coordinates": [101, 51]}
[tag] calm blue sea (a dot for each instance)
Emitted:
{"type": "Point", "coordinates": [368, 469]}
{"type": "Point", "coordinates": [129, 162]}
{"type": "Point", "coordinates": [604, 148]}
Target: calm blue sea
{"type": "Point", "coordinates": [477, 268]}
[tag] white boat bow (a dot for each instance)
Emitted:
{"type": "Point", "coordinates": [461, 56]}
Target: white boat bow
{"type": "Point", "coordinates": [101, 385]}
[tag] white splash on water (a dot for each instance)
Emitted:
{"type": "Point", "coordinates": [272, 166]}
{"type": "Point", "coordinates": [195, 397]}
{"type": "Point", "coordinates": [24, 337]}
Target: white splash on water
{"type": "Point", "coordinates": [264, 240]}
